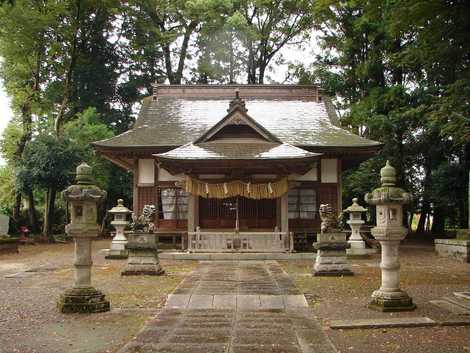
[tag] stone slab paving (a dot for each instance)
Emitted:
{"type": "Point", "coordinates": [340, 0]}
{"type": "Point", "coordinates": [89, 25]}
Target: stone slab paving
{"type": "Point", "coordinates": [234, 307]}
{"type": "Point", "coordinates": [451, 307]}
{"type": "Point", "coordinates": [383, 323]}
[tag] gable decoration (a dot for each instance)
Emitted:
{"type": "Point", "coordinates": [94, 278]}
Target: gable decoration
{"type": "Point", "coordinates": [257, 191]}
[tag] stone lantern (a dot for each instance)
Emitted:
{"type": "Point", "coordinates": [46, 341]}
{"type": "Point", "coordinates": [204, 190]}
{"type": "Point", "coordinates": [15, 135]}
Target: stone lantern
{"type": "Point", "coordinates": [389, 231]}
{"type": "Point", "coordinates": [358, 246]}
{"type": "Point", "coordinates": [83, 198]}
{"type": "Point", "coordinates": [118, 244]}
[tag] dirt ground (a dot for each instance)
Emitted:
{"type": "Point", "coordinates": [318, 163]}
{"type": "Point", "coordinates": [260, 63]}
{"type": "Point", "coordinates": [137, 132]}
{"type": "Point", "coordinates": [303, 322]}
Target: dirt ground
{"type": "Point", "coordinates": [423, 275]}
{"type": "Point", "coordinates": [30, 322]}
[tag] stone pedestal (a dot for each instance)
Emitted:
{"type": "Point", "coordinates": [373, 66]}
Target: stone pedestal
{"type": "Point", "coordinates": [456, 248]}
{"type": "Point", "coordinates": [331, 259]}
{"type": "Point", "coordinates": [143, 255]}
{"type": "Point", "coordinates": [118, 250]}
{"type": "Point", "coordinates": [357, 246]}
{"type": "Point", "coordinates": [389, 297]}
{"type": "Point", "coordinates": [83, 198]}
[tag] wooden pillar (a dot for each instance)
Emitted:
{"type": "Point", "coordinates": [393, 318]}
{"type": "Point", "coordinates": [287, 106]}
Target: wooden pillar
{"type": "Point", "coordinates": [196, 211]}
{"type": "Point", "coordinates": [155, 192]}
{"type": "Point", "coordinates": [278, 213]}
{"type": "Point", "coordinates": [192, 212]}
{"type": "Point", "coordinates": [339, 186]}
{"type": "Point", "coordinates": [135, 188]}
{"type": "Point", "coordinates": [285, 213]}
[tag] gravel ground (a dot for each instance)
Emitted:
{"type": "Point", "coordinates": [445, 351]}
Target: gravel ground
{"type": "Point", "coordinates": [423, 275]}
{"type": "Point", "coordinates": [30, 322]}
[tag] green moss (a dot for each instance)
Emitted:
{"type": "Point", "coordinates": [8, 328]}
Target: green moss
{"type": "Point", "coordinates": [83, 300]}
{"type": "Point", "coordinates": [8, 240]}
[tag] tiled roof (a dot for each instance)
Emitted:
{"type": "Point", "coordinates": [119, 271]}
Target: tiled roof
{"type": "Point", "coordinates": [175, 120]}
{"type": "Point", "coordinates": [236, 151]}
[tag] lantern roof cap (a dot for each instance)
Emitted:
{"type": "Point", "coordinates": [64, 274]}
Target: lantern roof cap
{"type": "Point", "coordinates": [120, 208]}
{"type": "Point", "coordinates": [388, 193]}
{"type": "Point", "coordinates": [84, 174]}
{"type": "Point", "coordinates": [355, 207]}
{"type": "Point", "coordinates": [388, 175]}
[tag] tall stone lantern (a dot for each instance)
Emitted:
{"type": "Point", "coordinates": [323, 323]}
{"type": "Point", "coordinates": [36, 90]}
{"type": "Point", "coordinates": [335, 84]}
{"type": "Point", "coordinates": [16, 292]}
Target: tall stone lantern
{"type": "Point", "coordinates": [118, 244]}
{"type": "Point", "coordinates": [358, 246]}
{"type": "Point", "coordinates": [389, 231]}
{"type": "Point", "coordinates": [83, 198]}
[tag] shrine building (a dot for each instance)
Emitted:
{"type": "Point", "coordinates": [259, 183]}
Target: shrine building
{"type": "Point", "coordinates": [237, 167]}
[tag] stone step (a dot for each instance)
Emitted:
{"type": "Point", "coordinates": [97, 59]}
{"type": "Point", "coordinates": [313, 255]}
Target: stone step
{"type": "Point", "coordinates": [464, 303]}
{"type": "Point", "coordinates": [383, 323]}
{"type": "Point", "coordinates": [463, 295]}
{"type": "Point", "coordinates": [453, 308]}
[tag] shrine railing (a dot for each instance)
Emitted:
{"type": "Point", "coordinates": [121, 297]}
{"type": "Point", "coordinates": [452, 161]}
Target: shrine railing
{"type": "Point", "coordinates": [207, 241]}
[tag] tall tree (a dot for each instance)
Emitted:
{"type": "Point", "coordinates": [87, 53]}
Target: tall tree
{"type": "Point", "coordinates": [24, 33]}
{"type": "Point", "coordinates": [388, 63]}
{"type": "Point", "coordinates": [268, 26]}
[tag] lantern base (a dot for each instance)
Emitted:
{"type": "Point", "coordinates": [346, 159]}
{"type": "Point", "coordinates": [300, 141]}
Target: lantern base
{"type": "Point", "coordinates": [116, 254]}
{"type": "Point", "coordinates": [391, 301]}
{"type": "Point", "coordinates": [83, 300]}
{"type": "Point", "coordinates": [143, 270]}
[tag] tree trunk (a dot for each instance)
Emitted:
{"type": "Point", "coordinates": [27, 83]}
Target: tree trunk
{"type": "Point", "coordinates": [59, 121]}
{"type": "Point", "coordinates": [17, 207]}
{"type": "Point", "coordinates": [184, 51]}
{"type": "Point", "coordinates": [49, 214]}
{"type": "Point", "coordinates": [438, 221]}
{"type": "Point", "coordinates": [33, 220]}
{"type": "Point", "coordinates": [262, 70]}
{"type": "Point", "coordinates": [251, 69]}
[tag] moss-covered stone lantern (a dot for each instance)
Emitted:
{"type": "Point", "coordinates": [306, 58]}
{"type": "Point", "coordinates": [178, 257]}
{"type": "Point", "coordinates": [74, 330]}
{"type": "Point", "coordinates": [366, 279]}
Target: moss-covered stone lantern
{"type": "Point", "coordinates": [83, 198]}
{"type": "Point", "coordinates": [118, 244]}
{"type": "Point", "coordinates": [389, 231]}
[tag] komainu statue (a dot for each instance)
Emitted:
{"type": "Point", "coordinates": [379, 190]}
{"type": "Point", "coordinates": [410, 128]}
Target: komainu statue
{"type": "Point", "coordinates": [144, 223]}
{"type": "Point", "coordinates": [328, 218]}
{"type": "Point", "coordinates": [331, 245]}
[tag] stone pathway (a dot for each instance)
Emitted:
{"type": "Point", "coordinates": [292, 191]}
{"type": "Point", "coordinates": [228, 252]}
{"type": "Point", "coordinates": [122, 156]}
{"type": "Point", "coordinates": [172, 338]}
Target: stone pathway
{"type": "Point", "coordinates": [234, 307]}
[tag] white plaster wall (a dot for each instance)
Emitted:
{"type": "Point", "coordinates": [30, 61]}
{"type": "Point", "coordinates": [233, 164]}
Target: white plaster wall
{"type": "Point", "coordinates": [329, 170]}
{"type": "Point", "coordinates": [311, 175]}
{"type": "Point", "coordinates": [146, 171]}
{"type": "Point", "coordinates": [164, 175]}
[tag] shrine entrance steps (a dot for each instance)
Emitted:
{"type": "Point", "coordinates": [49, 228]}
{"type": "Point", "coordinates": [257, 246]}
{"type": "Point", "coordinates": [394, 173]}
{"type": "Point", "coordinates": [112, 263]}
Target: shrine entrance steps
{"type": "Point", "coordinates": [234, 307]}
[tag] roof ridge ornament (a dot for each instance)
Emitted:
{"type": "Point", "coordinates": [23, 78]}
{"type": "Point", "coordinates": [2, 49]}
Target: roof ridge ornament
{"type": "Point", "coordinates": [237, 102]}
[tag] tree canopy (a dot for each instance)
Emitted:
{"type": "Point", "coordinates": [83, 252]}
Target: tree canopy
{"type": "Point", "coordinates": [76, 71]}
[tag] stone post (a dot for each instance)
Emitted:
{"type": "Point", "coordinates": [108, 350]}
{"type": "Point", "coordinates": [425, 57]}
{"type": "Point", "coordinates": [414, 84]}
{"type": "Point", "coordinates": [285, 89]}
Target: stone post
{"type": "Point", "coordinates": [118, 244]}
{"type": "Point", "coordinates": [83, 198]}
{"type": "Point", "coordinates": [358, 246]}
{"type": "Point", "coordinates": [389, 231]}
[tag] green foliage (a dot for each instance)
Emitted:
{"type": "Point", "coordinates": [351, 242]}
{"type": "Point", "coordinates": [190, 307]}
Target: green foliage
{"type": "Point", "coordinates": [48, 162]}
{"type": "Point", "coordinates": [86, 128]}
{"type": "Point", "coordinates": [10, 139]}
{"type": "Point", "coordinates": [7, 189]}
{"type": "Point", "coordinates": [402, 77]}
